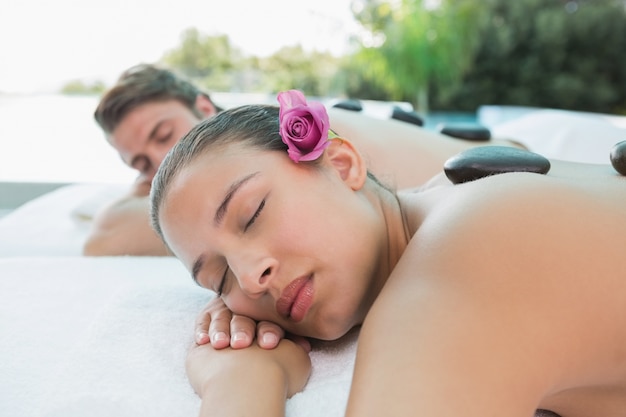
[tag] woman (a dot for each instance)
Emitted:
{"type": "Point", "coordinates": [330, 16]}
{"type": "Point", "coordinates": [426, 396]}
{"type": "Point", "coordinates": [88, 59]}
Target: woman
{"type": "Point", "coordinates": [504, 293]}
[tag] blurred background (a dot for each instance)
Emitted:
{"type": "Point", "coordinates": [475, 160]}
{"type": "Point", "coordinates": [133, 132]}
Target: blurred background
{"type": "Point", "coordinates": [445, 58]}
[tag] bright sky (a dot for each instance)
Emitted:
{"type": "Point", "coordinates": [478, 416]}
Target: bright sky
{"type": "Point", "coordinates": [45, 43]}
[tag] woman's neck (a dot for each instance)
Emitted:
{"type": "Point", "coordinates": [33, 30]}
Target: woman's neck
{"type": "Point", "coordinates": [397, 232]}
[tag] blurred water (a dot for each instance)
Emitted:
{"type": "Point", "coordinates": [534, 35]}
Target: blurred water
{"type": "Point", "coordinates": [434, 119]}
{"type": "Point", "coordinates": [54, 138]}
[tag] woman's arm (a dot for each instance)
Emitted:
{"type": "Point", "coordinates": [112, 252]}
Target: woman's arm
{"type": "Point", "coordinates": [247, 382]}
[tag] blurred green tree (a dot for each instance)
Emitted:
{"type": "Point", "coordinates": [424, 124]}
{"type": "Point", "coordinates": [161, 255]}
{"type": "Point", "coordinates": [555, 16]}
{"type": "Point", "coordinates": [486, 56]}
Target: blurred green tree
{"type": "Point", "coordinates": [292, 67]}
{"type": "Point", "coordinates": [213, 63]}
{"type": "Point", "coordinates": [408, 45]}
{"type": "Point", "coordinates": [79, 87]}
{"type": "Point", "coordinates": [208, 60]}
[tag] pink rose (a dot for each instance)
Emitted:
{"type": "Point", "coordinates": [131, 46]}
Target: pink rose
{"type": "Point", "coordinates": [303, 127]}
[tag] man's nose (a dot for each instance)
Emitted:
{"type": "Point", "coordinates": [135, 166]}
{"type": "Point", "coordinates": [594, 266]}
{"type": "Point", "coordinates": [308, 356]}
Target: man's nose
{"type": "Point", "coordinates": [159, 156]}
{"type": "Point", "coordinates": [150, 174]}
{"type": "Point", "coordinates": [156, 158]}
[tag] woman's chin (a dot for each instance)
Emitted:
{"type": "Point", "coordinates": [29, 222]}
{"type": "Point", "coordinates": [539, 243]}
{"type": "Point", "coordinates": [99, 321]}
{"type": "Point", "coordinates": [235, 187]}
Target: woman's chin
{"type": "Point", "coordinates": [332, 333]}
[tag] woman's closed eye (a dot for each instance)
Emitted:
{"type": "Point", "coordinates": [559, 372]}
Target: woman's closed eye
{"type": "Point", "coordinates": [256, 215]}
{"type": "Point", "coordinates": [220, 289]}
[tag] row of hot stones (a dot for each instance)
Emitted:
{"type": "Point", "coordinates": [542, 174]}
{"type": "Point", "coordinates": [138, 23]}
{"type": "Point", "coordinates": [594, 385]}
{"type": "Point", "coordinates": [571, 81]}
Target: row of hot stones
{"type": "Point", "coordinates": [483, 161]}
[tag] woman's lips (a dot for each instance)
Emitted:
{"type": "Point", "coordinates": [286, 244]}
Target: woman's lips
{"type": "Point", "coordinates": [296, 299]}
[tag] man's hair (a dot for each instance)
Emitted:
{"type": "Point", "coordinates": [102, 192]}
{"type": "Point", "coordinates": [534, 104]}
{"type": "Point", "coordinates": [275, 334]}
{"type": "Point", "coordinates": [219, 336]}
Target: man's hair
{"type": "Point", "coordinates": [140, 84]}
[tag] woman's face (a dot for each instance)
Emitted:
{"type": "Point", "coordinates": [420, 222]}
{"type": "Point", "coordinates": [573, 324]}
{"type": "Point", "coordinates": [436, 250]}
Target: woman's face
{"type": "Point", "coordinates": [284, 242]}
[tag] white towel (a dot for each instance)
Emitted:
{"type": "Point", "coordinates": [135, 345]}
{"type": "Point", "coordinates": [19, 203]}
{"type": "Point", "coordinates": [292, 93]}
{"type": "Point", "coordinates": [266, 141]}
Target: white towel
{"type": "Point", "coordinates": [108, 337]}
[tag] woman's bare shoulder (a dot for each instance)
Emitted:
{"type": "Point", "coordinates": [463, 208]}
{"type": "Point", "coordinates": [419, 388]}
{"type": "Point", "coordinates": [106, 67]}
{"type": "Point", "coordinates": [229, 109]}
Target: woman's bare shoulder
{"type": "Point", "coordinates": [513, 201]}
{"type": "Point", "coordinates": [526, 240]}
{"type": "Point", "coordinates": [521, 241]}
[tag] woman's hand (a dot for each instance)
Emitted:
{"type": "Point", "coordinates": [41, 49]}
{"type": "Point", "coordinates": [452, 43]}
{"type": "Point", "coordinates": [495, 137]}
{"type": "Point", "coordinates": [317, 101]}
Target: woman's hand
{"type": "Point", "coordinates": [219, 326]}
{"type": "Point", "coordinates": [252, 381]}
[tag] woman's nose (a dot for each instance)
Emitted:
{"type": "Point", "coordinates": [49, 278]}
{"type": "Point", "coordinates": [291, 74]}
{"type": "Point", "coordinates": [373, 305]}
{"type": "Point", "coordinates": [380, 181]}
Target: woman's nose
{"type": "Point", "coordinates": [255, 276]}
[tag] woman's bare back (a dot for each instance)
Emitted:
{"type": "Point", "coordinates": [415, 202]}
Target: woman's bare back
{"type": "Point", "coordinates": [510, 297]}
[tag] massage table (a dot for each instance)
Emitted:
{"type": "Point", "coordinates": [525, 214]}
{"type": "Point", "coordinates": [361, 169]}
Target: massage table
{"type": "Point", "coordinates": [83, 336]}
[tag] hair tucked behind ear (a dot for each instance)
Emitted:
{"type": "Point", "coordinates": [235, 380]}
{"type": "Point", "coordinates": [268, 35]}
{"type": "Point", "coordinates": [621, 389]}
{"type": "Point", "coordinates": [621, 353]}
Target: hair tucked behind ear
{"type": "Point", "coordinates": [256, 125]}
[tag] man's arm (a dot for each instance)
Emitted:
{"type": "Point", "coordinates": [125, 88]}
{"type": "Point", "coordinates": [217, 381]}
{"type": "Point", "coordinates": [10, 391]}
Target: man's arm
{"type": "Point", "coordinates": [123, 228]}
{"type": "Point", "coordinates": [400, 154]}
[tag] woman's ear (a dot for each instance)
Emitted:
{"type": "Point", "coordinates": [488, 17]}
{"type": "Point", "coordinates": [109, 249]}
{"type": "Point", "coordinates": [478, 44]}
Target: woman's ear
{"type": "Point", "coordinates": [347, 161]}
{"type": "Point", "coordinates": [205, 106]}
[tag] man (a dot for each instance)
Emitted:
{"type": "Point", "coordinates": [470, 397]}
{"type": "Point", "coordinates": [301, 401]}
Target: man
{"type": "Point", "coordinates": [143, 116]}
{"type": "Point", "coordinates": [149, 109]}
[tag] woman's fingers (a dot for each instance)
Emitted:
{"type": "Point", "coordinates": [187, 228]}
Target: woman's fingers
{"type": "Point", "coordinates": [213, 325]}
{"type": "Point", "coordinates": [202, 327]}
{"type": "Point", "coordinates": [217, 325]}
{"type": "Point", "coordinates": [219, 329]}
{"type": "Point", "coordinates": [268, 334]}
{"type": "Point", "coordinates": [242, 331]}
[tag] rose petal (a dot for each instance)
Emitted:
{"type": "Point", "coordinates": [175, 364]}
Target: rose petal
{"type": "Point", "coordinates": [291, 98]}
{"type": "Point", "coordinates": [303, 127]}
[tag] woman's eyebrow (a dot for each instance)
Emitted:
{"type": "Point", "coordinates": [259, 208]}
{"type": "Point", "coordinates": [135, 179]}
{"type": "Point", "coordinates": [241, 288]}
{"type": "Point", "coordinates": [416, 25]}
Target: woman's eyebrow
{"type": "Point", "coordinates": [232, 190]}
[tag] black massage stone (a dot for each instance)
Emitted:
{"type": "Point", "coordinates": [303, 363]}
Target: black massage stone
{"type": "Point", "coordinates": [618, 157]}
{"type": "Point", "coordinates": [475, 133]}
{"type": "Point", "coordinates": [483, 161]}
{"type": "Point", "coordinates": [406, 116]}
{"type": "Point", "coordinates": [351, 104]}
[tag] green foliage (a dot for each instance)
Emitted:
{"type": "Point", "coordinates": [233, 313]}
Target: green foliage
{"type": "Point", "coordinates": [420, 43]}
{"type": "Point", "coordinates": [207, 60]}
{"type": "Point", "coordinates": [292, 67]}
{"type": "Point", "coordinates": [360, 83]}
{"type": "Point", "coordinates": [458, 54]}
{"type": "Point", "coordinates": [559, 54]}
{"type": "Point", "coordinates": [214, 64]}
{"type": "Point", "coordinates": [374, 15]}
{"type": "Point", "coordinates": [78, 87]}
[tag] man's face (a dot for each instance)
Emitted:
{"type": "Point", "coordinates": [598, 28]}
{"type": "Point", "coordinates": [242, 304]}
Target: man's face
{"type": "Point", "coordinates": [149, 131]}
